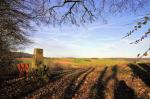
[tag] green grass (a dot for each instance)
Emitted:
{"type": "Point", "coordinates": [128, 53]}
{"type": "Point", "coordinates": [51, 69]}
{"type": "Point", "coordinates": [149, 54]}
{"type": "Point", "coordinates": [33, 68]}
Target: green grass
{"type": "Point", "coordinates": [86, 61]}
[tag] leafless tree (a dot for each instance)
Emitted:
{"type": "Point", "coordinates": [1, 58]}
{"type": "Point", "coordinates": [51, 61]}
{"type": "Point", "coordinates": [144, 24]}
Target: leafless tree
{"type": "Point", "coordinates": [140, 23]}
{"type": "Point", "coordinates": [82, 11]}
{"type": "Point", "coordinates": [16, 17]}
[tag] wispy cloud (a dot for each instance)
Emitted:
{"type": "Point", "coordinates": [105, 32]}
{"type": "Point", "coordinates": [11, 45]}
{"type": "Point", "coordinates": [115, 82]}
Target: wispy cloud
{"type": "Point", "coordinates": [95, 40]}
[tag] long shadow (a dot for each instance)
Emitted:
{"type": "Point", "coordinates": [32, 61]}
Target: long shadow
{"type": "Point", "coordinates": [122, 91]}
{"type": "Point", "coordinates": [105, 83]}
{"type": "Point", "coordinates": [101, 85]}
{"type": "Point", "coordinates": [98, 87]}
{"type": "Point", "coordinates": [54, 77]}
{"type": "Point", "coordinates": [74, 78]}
{"type": "Point", "coordinates": [73, 88]}
{"type": "Point", "coordinates": [145, 66]}
{"type": "Point", "coordinates": [29, 86]}
{"type": "Point", "coordinates": [114, 74]}
{"type": "Point", "coordinates": [142, 74]}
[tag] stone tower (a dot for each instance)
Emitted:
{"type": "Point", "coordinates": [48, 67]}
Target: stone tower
{"type": "Point", "coordinates": [37, 60]}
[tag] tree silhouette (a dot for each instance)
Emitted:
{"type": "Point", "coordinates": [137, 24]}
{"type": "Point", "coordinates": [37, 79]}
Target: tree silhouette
{"type": "Point", "coordinates": [16, 17]}
{"type": "Point", "coordinates": [143, 21]}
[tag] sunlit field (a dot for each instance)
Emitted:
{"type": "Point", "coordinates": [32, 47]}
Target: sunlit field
{"type": "Point", "coordinates": [78, 78]}
{"type": "Point", "coordinates": [74, 49]}
{"type": "Point", "coordinates": [75, 62]}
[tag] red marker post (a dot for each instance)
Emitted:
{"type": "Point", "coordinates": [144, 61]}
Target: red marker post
{"type": "Point", "coordinates": [26, 69]}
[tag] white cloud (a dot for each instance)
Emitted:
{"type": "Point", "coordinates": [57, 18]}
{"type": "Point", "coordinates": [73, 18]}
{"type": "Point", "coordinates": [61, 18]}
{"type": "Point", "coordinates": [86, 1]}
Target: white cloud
{"type": "Point", "coordinates": [94, 41]}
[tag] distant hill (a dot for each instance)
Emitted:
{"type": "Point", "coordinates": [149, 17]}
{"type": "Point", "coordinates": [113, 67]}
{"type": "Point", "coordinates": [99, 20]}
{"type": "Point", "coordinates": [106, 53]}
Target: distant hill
{"type": "Point", "coordinates": [22, 55]}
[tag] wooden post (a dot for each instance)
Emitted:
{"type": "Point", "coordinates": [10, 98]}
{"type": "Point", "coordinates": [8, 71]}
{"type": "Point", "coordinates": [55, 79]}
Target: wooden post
{"type": "Point", "coordinates": [37, 59]}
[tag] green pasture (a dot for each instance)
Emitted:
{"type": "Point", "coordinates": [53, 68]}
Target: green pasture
{"type": "Point", "coordinates": [87, 61]}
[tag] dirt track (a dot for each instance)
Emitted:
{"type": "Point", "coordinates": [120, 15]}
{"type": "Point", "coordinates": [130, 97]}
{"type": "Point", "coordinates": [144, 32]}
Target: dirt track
{"type": "Point", "coordinates": [88, 83]}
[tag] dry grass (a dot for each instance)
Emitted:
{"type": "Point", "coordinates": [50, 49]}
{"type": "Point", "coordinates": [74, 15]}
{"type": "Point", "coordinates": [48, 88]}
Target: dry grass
{"type": "Point", "coordinates": [77, 62]}
{"type": "Point", "coordinates": [107, 78]}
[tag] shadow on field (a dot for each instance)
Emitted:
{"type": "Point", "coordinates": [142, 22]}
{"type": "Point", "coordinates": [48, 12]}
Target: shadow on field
{"type": "Point", "coordinates": [98, 88]}
{"type": "Point", "coordinates": [121, 90]}
{"type": "Point", "coordinates": [100, 85]}
{"type": "Point", "coordinates": [145, 66]}
{"type": "Point", "coordinates": [142, 71]}
{"type": "Point", "coordinates": [24, 87]}
{"type": "Point", "coordinates": [73, 87]}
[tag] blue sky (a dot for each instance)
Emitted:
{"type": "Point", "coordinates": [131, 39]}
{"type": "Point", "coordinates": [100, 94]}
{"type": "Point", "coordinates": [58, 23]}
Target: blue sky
{"type": "Point", "coordinates": [102, 40]}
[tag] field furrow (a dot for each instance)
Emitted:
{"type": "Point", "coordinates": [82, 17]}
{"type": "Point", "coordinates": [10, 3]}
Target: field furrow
{"type": "Point", "coordinates": [23, 87]}
{"type": "Point", "coordinates": [84, 91]}
{"type": "Point", "coordinates": [50, 87]}
{"type": "Point", "coordinates": [74, 86]}
{"type": "Point", "coordinates": [60, 89]}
